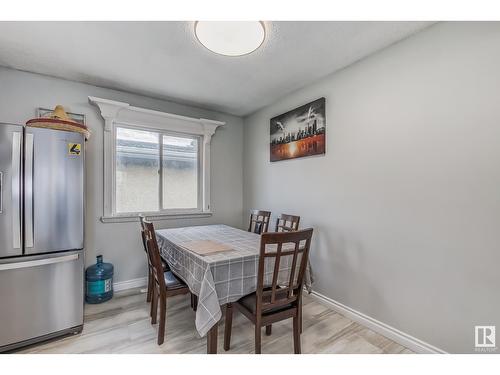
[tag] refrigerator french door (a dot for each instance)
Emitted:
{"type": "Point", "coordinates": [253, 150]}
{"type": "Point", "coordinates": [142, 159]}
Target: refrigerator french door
{"type": "Point", "coordinates": [41, 234]}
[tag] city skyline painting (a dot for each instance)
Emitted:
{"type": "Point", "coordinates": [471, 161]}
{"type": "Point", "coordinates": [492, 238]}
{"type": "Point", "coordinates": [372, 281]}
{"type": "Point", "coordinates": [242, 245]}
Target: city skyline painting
{"type": "Point", "coordinates": [298, 133]}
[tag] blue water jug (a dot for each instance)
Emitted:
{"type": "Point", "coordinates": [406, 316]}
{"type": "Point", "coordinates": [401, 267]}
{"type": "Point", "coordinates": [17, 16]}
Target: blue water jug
{"type": "Point", "coordinates": [99, 282]}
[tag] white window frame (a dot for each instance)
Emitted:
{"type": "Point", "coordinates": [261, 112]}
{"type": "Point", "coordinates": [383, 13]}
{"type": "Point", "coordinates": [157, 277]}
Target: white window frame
{"type": "Point", "coordinates": [161, 210]}
{"type": "Point", "coordinates": [120, 114]}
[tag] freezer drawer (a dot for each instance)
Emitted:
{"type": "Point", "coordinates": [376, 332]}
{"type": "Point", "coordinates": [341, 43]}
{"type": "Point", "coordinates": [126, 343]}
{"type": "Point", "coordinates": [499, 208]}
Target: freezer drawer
{"type": "Point", "coordinates": [53, 190]}
{"type": "Point", "coordinates": [40, 295]}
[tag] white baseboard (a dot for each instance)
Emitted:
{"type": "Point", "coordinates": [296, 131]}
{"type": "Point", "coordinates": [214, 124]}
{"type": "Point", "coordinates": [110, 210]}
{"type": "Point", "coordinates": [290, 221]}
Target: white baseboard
{"type": "Point", "coordinates": [130, 284]}
{"type": "Point", "coordinates": [386, 330]}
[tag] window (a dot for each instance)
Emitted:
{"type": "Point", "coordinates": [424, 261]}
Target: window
{"type": "Point", "coordinates": [155, 163]}
{"type": "Point", "coordinates": [180, 182]}
{"type": "Point", "coordinates": [156, 171]}
{"type": "Point", "coordinates": [137, 167]}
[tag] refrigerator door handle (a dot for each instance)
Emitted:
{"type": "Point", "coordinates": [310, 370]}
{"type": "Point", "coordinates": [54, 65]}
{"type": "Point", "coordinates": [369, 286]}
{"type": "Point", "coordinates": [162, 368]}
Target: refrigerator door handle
{"type": "Point", "coordinates": [1, 192]}
{"type": "Point", "coordinates": [28, 191]}
{"type": "Point", "coordinates": [39, 262]}
{"type": "Point", "coordinates": [16, 190]}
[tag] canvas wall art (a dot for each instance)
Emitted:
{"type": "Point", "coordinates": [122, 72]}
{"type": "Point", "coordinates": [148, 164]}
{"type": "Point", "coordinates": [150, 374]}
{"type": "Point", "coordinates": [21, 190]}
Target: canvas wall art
{"type": "Point", "coordinates": [299, 132]}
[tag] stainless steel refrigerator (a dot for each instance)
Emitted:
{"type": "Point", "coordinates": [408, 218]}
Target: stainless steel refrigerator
{"type": "Point", "coordinates": [41, 234]}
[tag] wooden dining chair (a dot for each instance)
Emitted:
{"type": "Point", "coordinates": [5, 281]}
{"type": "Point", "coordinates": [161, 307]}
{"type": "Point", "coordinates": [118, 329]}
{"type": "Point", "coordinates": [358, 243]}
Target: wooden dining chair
{"type": "Point", "coordinates": [194, 298]}
{"type": "Point", "coordinates": [259, 221]}
{"type": "Point", "coordinates": [277, 301]}
{"type": "Point", "coordinates": [150, 266]}
{"type": "Point", "coordinates": [287, 223]}
{"type": "Point", "coordinates": [165, 283]}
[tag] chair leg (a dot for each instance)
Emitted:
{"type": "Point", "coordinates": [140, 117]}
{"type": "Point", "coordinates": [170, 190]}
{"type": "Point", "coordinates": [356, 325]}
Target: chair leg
{"type": "Point", "coordinates": [228, 326]}
{"type": "Point", "coordinates": [296, 335]}
{"type": "Point", "coordinates": [150, 286]}
{"type": "Point", "coordinates": [163, 318]}
{"type": "Point", "coordinates": [258, 333]}
{"type": "Point", "coordinates": [299, 314]}
{"type": "Point", "coordinates": [154, 305]}
{"type": "Point", "coordinates": [269, 329]}
{"type": "Point", "coordinates": [195, 302]}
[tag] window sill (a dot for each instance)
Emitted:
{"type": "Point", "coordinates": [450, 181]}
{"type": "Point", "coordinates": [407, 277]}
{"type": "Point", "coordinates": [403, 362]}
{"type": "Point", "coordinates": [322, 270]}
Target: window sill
{"type": "Point", "coordinates": [155, 217]}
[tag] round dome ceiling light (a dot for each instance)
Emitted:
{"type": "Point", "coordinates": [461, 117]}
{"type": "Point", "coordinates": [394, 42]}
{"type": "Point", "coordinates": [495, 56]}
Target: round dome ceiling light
{"type": "Point", "coordinates": [230, 38]}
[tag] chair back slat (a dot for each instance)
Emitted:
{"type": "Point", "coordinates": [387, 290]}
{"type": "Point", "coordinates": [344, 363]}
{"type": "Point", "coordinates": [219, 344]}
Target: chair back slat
{"type": "Point", "coordinates": [302, 268]}
{"type": "Point", "coordinates": [283, 253]}
{"type": "Point", "coordinates": [145, 242]}
{"type": "Point", "coordinates": [287, 223]}
{"type": "Point", "coordinates": [259, 221]}
{"type": "Point", "coordinates": [282, 291]}
{"type": "Point", "coordinates": [142, 219]}
{"type": "Point", "coordinates": [292, 270]}
{"type": "Point", "coordinates": [276, 272]}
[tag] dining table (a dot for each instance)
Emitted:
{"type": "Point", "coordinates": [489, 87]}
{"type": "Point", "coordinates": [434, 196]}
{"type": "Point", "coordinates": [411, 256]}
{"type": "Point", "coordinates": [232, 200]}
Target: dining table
{"type": "Point", "coordinates": [217, 278]}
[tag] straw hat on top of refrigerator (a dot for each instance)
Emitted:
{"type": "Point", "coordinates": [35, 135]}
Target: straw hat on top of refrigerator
{"type": "Point", "coordinates": [59, 120]}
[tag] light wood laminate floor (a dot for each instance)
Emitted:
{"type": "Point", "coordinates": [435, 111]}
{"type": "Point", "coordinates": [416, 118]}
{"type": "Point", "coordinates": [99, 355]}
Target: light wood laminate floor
{"type": "Point", "coordinates": [122, 325]}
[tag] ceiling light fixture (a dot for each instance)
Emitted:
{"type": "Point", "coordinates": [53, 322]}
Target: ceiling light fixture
{"type": "Point", "coordinates": [230, 38]}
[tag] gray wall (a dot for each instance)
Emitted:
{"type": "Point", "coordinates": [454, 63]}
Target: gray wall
{"type": "Point", "coordinates": [21, 93]}
{"type": "Point", "coordinates": [406, 202]}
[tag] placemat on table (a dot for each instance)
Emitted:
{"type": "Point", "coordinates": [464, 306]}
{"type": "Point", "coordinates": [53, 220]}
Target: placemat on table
{"type": "Point", "coordinates": [205, 247]}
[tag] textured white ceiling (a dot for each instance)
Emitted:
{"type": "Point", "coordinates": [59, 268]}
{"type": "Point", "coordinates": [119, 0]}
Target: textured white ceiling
{"type": "Point", "coordinates": [164, 60]}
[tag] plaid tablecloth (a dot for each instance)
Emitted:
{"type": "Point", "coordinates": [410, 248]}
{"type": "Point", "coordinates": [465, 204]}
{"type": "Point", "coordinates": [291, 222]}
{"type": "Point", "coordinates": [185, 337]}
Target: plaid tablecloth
{"type": "Point", "coordinates": [218, 278]}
